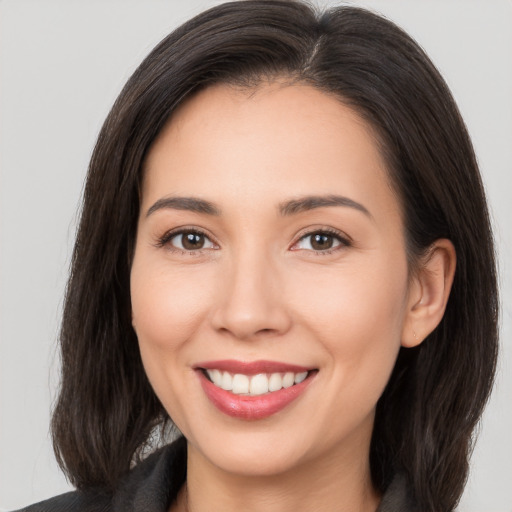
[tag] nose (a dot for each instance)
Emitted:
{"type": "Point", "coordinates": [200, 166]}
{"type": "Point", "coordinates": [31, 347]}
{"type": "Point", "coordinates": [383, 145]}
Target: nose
{"type": "Point", "coordinates": [252, 300]}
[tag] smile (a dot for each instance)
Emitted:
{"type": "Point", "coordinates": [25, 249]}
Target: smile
{"type": "Point", "coordinates": [262, 383]}
{"type": "Point", "coordinates": [253, 391]}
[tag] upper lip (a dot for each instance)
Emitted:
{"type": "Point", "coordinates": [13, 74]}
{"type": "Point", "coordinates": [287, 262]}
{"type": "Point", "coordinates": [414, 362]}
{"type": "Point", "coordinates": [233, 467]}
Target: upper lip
{"type": "Point", "coordinates": [251, 367]}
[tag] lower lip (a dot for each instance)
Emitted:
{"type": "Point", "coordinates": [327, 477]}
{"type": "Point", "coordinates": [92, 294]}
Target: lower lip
{"type": "Point", "coordinates": [252, 407]}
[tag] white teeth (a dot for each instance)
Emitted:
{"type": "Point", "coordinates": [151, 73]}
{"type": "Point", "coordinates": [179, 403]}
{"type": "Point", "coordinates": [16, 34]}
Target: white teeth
{"type": "Point", "coordinates": [288, 380]}
{"type": "Point", "coordinates": [240, 384]}
{"type": "Point", "coordinates": [275, 383]}
{"type": "Point", "coordinates": [300, 377]}
{"type": "Point", "coordinates": [216, 376]}
{"type": "Point", "coordinates": [227, 381]}
{"type": "Point", "coordinates": [259, 384]}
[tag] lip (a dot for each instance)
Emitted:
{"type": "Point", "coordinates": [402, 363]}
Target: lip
{"type": "Point", "coordinates": [252, 407]}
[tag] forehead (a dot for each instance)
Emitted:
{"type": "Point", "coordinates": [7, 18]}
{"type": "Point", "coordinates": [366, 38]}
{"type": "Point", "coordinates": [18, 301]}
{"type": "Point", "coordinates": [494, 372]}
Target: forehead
{"type": "Point", "coordinates": [277, 139]}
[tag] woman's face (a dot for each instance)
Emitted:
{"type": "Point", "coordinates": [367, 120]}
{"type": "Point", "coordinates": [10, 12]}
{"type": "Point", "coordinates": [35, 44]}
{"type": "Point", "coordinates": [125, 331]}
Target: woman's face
{"type": "Point", "coordinates": [269, 244]}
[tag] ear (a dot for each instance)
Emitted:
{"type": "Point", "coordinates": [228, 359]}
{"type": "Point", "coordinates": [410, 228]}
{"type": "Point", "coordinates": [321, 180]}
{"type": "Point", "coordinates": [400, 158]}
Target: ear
{"type": "Point", "coordinates": [428, 292]}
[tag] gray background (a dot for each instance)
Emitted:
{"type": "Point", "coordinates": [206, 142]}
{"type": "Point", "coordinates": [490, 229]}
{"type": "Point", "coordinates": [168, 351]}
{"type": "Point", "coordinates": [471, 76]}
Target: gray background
{"type": "Point", "coordinates": [62, 63]}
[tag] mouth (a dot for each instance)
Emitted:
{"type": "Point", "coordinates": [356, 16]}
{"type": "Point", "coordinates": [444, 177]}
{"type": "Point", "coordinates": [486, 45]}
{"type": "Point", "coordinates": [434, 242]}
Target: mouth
{"type": "Point", "coordinates": [254, 385]}
{"type": "Point", "coordinates": [254, 390]}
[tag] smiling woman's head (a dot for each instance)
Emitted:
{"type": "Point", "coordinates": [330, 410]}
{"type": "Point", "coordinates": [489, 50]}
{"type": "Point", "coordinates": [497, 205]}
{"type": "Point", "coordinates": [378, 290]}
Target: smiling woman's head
{"type": "Point", "coordinates": [268, 234]}
{"type": "Point", "coordinates": [276, 185]}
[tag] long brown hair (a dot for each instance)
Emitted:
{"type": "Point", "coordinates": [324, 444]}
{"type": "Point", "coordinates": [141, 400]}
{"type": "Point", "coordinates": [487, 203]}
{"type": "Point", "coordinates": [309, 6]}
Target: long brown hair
{"type": "Point", "coordinates": [425, 418]}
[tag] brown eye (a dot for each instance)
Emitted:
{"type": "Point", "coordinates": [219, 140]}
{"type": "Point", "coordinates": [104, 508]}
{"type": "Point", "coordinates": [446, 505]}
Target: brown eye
{"type": "Point", "coordinates": [321, 241]}
{"type": "Point", "coordinates": [190, 241]}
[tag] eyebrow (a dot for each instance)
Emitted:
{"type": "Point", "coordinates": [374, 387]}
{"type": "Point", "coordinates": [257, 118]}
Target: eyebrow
{"type": "Point", "coordinates": [287, 208]}
{"type": "Point", "coordinates": [191, 204]}
{"type": "Point", "coordinates": [306, 203]}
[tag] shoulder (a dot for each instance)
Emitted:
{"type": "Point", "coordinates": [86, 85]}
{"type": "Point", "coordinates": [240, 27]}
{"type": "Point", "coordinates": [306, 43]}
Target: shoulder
{"type": "Point", "coordinates": [151, 485]}
{"type": "Point", "coordinates": [73, 501]}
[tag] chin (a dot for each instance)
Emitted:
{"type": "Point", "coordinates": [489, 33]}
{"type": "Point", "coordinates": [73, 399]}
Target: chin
{"type": "Point", "coordinates": [254, 458]}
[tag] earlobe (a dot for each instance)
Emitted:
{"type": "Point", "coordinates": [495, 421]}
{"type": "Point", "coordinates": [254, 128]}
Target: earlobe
{"type": "Point", "coordinates": [429, 293]}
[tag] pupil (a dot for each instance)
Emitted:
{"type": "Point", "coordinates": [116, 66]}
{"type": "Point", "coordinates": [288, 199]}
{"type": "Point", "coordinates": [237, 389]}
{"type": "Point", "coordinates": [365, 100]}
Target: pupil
{"type": "Point", "coordinates": [193, 241]}
{"type": "Point", "coordinates": [321, 241]}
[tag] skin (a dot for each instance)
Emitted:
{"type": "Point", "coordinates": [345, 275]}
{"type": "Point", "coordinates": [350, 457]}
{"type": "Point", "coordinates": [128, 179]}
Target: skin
{"type": "Point", "coordinates": [259, 289]}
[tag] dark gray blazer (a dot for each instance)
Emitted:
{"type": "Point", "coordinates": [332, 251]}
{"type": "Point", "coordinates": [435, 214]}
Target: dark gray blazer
{"type": "Point", "coordinates": [152, 485]}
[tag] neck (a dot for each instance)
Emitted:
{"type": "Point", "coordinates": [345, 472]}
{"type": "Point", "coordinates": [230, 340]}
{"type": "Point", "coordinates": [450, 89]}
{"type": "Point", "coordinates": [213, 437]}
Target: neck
{"type": "Point", "coordinates": [326, 485]}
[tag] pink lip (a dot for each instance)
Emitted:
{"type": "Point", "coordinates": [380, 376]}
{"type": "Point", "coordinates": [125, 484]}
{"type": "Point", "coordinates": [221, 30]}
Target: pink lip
{"type": "Point", "coordinates": [252, 368]}
{"type": "Point", "coordinates": [252, 407]}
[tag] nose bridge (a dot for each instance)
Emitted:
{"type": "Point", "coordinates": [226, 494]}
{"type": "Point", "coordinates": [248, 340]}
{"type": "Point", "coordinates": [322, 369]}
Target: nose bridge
{"type": "Point", "coordinates": [252, 301]}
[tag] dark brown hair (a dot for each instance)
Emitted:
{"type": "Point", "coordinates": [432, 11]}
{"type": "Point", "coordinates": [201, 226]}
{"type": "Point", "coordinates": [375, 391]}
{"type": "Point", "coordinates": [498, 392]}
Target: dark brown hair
{"type": "Point", "coordinates": [425, 418]}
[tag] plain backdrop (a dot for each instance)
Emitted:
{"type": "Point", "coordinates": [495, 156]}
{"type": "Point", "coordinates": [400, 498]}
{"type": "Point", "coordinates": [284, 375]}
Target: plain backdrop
{"type": "Point", "coordinates": [62, 63]}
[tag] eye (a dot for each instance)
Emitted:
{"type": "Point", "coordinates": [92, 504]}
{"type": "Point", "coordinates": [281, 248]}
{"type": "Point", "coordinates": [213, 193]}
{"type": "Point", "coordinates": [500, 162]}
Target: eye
{"type": "Point", "coordinates": [187, 240]}
{"type": "Point", "coordinates": [322, 241]}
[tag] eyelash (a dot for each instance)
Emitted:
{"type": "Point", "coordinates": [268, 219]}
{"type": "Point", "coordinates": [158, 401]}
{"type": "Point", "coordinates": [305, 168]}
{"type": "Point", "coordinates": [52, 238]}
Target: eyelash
{"type": "Point", "coordinates": [339, 236]}
{"type": "Point", "coordinates": [164, 241]}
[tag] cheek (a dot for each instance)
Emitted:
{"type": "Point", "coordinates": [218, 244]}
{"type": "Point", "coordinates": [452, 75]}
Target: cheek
{"type": "Point", "coordinates": [168, 305]}
{"type": "Point", "coordinates": [353, 300]}
{"type": "Point", "coordinates": [357, 315]}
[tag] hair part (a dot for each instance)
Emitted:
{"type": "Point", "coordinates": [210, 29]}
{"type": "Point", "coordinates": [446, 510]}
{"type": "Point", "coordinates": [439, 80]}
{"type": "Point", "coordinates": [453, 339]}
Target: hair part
{"type": "Point", "coordinates": [106, 409]}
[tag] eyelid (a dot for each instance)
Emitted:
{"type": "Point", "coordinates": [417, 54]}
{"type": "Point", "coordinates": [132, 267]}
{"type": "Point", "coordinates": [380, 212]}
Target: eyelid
{"type": "Point", "coordinates": [164, 240]}
{"type": "Point", "coordinates": [343, 238]}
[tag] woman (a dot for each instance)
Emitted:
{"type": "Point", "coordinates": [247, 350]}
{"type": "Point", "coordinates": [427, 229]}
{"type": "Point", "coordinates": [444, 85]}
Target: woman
{"type": "Point", "coordinates": [282, 234]}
